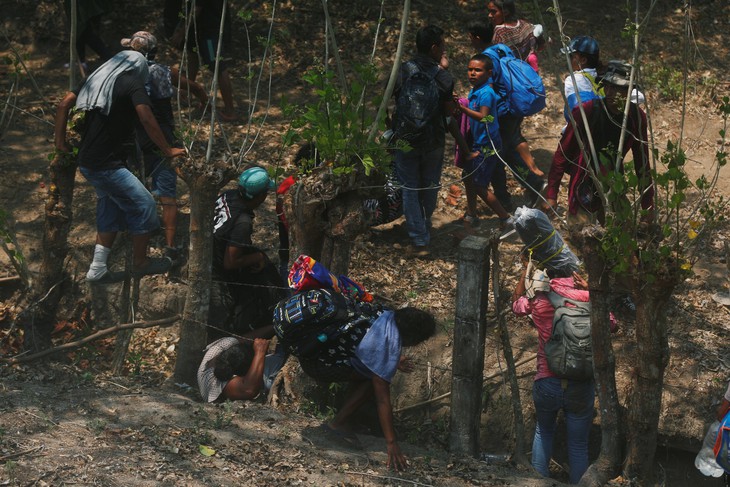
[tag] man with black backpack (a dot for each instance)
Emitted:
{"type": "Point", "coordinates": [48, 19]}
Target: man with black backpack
{"type": "Point", "coordinates": [424, 97]}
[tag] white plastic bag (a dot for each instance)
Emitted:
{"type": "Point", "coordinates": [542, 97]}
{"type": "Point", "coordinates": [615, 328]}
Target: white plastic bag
{"type": "Point", "coordinates": [705, 459]}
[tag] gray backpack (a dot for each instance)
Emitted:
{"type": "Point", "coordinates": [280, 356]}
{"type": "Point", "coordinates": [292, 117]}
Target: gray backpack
{"type": "Point", "coordinates": [569, 351]}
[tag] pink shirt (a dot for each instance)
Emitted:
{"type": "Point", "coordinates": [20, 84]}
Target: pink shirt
{"type": "Point", "coordinates": [542, 315]}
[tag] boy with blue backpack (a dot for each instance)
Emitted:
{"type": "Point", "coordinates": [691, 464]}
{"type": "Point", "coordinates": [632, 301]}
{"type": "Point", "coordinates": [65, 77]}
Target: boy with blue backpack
{"type": "Point", "coordinates": [482, 108]}
{"type": "Point", "coordinates": [520, 93]}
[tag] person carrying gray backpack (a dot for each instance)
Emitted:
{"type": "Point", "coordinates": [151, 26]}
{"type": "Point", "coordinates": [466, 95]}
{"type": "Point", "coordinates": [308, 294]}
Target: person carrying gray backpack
{"type": "Point", "coordinates": [552, 391]}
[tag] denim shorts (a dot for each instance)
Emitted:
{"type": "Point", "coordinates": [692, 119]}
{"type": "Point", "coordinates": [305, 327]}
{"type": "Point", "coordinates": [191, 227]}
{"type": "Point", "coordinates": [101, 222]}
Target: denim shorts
{"type": "Point", "coordinates": [164, 178]}
{"type": "Point", "coordinates": [122, 202]}
{"type": "Point", "coordinates": [481, 168]}
{"type": "Point", "coordinates": [208, 51]}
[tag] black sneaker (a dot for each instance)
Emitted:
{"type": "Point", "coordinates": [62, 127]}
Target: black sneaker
{"type": "Point", "coordinates": [420, 251]}
{"type": "Point", "coordinates": [108, 277]}
{"type": "Point", "coordinates": [155, 265]}
{"type": "Point", "coordinates": [174, 254]}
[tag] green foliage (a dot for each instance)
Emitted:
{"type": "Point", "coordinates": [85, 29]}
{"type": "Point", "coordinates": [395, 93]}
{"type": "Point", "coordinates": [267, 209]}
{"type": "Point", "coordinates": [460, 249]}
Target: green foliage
{"type": "Point", "coordinates": [685, 211]}
{"type": "Point", "coordinates": [13, 61]}
{"type": "Point", "coordinates": [338, 122]}
{"type": "Point", "coordinates": [668, 82]}
{"type": "Point", "coordinates": [221, 418]}
{"type": "Point", "coordinates": [245, 15]}
{"type": "Point", "coordinates": [10, 468]}
{"type": "Point", "coordinates": [9, 242]}
{"type": "Point", "coordinates": [316, 410]}
{"type": "Point", "coordinates": [429, 431]}
{"type": "Point", "coordinates": [629, 29]}
{"type": "Point", "coordinates": [135, 362]}
{"type": "Point", "coordinates": [324, 408]}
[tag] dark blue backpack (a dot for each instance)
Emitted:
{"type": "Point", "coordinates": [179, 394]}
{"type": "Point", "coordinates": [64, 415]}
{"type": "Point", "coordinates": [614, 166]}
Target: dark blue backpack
{"type": "Point", "coordinates": [519, 87]}
{"type": "Point", "coordinates": [309, 321]}
{"type": "Point", "coordinates": [417, 105]}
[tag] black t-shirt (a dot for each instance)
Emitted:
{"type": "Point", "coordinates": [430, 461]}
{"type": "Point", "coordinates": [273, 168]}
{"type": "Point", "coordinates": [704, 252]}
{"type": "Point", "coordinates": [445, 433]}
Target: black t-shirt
{"type": "Point", "coordinates": [103, 142]}
{"type": "Point", "coordinates": [232, 226]}
{"type": "Point", "coordinates": [162, 109]}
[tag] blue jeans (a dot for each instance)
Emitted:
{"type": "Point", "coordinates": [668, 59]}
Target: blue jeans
{"type": "Point", "coordinates": [164, 178]}
{"type": "Point", "coordinates": [419, 171]}
{"type": "Point", "coordinates": [576, 401]}
{"type": "Point", "coordinates": [122, 202]}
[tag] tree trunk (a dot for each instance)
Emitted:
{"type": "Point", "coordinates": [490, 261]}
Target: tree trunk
{"type": "Point", "coordinates": [346, 221]}
{"type": "Point", "coordinates": [193, 333]}
{"type": "Point", "coordinates": [121, 344]}
{"type": "Point", "coordinates": [325, 216]}
{"type": "Point", "coordinates": [520, 449]}
{"type": "Point", "coordinates": [608, 462]}
{"type": "Point", "coordinates": [652, 357]}
{"type": "Point", "coordinates": [305, 215]}
{"type": "Point", "coordinates": [39, 318]}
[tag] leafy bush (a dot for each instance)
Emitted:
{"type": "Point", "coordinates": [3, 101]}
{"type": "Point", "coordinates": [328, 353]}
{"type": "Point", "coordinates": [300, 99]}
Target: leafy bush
{"type": "Point", "coordinates": [339, 121]}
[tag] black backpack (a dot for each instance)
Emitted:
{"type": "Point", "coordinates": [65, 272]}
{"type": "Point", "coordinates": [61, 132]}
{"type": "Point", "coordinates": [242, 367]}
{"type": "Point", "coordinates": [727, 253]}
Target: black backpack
{"type": "Point", "coordinates": [417, 105]}
{"type": "Point", "coordinates": [569, 351]}
{"type": "Point", "coordinates": [307, 322]}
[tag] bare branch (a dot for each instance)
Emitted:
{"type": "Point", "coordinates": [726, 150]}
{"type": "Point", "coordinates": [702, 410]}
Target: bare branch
{"type": "Point", "coordinates": [394, 71]}
{"type": "Point", "coordinates": [94, 336]}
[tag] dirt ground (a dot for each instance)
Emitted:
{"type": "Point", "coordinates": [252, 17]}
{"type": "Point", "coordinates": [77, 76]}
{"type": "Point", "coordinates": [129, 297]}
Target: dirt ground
{"type": "Point", "coordinates": [74, 422]}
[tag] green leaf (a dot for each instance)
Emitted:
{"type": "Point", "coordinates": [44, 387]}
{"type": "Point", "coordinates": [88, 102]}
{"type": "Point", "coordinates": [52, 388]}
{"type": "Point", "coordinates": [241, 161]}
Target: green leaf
{"type": "Point", "coordinates": [206, 450]}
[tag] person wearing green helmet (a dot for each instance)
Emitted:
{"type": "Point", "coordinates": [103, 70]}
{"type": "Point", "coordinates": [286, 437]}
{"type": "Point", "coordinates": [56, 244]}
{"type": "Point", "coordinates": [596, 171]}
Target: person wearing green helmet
{"type": "Point", "coordinates": [246, 285]}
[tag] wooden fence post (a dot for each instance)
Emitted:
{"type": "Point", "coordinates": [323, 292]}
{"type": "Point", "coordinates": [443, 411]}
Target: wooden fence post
{"type": "Point", "coordinates": [472, 294]}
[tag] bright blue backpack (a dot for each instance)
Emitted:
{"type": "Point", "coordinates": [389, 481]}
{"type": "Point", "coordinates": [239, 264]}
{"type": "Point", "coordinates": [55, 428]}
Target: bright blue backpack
{"type": "Point", "coordinates": [518, 86]}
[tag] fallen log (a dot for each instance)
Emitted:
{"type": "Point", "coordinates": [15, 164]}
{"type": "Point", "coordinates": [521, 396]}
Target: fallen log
{"type": "Point", "coordinates": [94, 336]}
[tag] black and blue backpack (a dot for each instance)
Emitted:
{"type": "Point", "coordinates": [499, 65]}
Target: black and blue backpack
{"type": "Point", "coordinates": [313, 320]}
{"type": "Point", "coordinates": [417, 105]}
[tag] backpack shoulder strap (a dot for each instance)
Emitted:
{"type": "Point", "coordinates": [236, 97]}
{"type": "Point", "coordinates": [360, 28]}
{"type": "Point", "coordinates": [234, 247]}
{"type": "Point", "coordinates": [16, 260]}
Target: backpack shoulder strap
{"type": "Point", "coordinates": [434, 72]}
{"type": "Point", "coordinates": [556, 300]}
{"type": "Point", "coordinates": [502, 50]}
{"type": "Point", "coordinates": [412, 68]}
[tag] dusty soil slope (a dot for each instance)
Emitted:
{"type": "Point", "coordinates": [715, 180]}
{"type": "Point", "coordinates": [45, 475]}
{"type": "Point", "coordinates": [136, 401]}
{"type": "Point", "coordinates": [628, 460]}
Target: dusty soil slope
{"type": "Point", "coordinates": [73, 422]}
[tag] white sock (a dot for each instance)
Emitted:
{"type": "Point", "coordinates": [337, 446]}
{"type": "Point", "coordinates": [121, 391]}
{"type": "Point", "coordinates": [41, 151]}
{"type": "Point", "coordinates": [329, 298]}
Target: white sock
{"type": "Point", "coordinates": [98, 265]}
